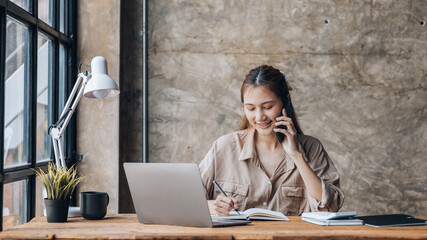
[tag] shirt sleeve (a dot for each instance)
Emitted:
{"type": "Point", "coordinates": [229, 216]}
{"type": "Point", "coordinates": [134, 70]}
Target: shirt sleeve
{"type": "Point", "coordinates": [322, 165]}
{"type": "Point", "coordinates": [207, 171]}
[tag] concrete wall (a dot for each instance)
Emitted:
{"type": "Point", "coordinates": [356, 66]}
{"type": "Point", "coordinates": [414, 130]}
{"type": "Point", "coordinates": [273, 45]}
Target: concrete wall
{"type": "Point", "coordinates": [98, 119]}
{"type": "Point", "coordinates": [359, 85]}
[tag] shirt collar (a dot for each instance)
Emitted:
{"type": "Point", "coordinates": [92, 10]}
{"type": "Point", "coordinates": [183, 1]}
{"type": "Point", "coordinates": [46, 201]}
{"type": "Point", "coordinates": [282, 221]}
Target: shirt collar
{"type": "Point", "coordinates": [248, 149]}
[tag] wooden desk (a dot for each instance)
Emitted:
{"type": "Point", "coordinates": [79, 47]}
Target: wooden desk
{"type": "Point", "coordinates": [126, 226]}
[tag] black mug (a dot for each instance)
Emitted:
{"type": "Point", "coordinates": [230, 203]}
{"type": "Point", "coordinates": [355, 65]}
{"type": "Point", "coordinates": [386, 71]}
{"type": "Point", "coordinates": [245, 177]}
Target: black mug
{"type": "Point", "coordinates": [93, 205]}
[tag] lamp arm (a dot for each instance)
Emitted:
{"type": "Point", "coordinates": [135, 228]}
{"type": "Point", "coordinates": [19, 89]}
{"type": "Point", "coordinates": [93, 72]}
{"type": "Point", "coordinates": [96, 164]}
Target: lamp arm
{"type": "Point", "coordinates": [71, 97]}
{"type": "Point", "coordinates": [57, 130]}
{"type": "Point", "coordinates": [70, 111]}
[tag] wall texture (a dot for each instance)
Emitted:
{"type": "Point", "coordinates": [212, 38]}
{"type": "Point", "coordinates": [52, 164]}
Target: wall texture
{"type": "Point", "coordinates": [357, 68]}
{"type": "Point", "coordinates": [98, 119]}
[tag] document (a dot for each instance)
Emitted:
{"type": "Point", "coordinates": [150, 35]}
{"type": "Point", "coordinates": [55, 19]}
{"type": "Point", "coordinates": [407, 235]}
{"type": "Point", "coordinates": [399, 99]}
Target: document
{"type": "Point", "coordinates": [332, 218]}
{"type": "Point", "coordinates": [334, 222]}
{"type": "Point", "coordinates": [254, 214]}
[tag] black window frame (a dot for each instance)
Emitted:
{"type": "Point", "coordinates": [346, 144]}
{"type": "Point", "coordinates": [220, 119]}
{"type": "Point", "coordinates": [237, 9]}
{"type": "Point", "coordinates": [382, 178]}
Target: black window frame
{"type": "Point", "coordinates": [69, 40]}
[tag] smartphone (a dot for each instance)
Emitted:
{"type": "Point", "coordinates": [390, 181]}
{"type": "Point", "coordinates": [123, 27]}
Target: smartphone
{"type": "Point", "coordinates": [289, 110]}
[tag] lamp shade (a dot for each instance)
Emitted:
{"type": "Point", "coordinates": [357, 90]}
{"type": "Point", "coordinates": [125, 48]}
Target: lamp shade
{"type": "Point", "coordinates": [100, 85]}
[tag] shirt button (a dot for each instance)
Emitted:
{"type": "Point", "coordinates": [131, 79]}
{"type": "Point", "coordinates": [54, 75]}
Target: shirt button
{"type": "Point", "coordinates": [264, 203]}
{"type": "Point", "coordinates": [269, 182]}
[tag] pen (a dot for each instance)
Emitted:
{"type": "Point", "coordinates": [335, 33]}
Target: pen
{"type": "Point", "coordinates": [220, 189]}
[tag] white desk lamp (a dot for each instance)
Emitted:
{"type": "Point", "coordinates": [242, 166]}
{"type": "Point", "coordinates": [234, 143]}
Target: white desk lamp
{"type": "Point", "coordinates": [95, 85]}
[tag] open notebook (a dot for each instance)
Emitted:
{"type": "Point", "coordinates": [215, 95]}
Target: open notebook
{"type": "Point", "coordinates": [255, 214]}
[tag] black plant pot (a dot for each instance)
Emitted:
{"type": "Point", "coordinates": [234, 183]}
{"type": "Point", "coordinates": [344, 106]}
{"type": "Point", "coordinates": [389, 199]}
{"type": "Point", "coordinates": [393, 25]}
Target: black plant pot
{"type": "Point", "coordinates": [56, 210]}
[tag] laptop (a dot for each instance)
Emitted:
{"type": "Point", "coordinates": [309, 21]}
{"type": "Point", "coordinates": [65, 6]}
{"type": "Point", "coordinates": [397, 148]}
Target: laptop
{"type": "Point", "coordinates": [171, 194]}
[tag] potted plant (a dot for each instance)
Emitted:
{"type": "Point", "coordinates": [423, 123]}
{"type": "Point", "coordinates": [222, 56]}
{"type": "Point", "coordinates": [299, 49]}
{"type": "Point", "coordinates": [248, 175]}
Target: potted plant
{"type": "Point", "coordinates": [59, 184]}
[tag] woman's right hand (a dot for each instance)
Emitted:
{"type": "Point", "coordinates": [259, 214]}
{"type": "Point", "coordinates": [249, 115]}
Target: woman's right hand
{"type": "Point", "coordinates": [222, 205]}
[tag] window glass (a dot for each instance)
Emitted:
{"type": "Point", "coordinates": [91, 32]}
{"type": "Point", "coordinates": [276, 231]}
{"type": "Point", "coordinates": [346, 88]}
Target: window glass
{"type": "Point", "coordinates": [40, 196]}
{"type": "Point", "coordinates": [45, 9]}
{"type": "Point", "coordinates": [22, 3]}
{"type": "Point", "coordinates": [14, 204]}
{"type": "Point", "coordinates": [62, 16]}
{"type": "Point", "coordinates": [15, 107]}
{"type": "Point", "coordinates": [62, 84]}
{"type": "Point", "coordinates": [44, 93]}
{"type": "Point", "coordinates": [62, 77]}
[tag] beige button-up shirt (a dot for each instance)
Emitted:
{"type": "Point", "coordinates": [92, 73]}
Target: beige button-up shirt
{"type": "Point", "coordinates": [233, 163]}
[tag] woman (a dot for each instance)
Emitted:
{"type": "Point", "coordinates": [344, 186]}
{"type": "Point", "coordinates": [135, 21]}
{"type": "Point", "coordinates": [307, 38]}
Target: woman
{"type": "Point", "coordinates": [255, 170]}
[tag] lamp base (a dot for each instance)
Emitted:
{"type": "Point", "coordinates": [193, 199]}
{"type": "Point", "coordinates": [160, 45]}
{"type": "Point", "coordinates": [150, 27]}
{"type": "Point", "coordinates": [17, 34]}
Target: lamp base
{"type": "Point", "coordinates": [74, 211]}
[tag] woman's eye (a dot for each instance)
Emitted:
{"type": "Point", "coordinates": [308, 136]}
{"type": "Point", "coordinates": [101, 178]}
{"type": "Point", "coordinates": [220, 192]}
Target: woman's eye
{"type": "Point", "coordinates": [268, 107]}
{"type": "Point", "coordinates": [250, 109]}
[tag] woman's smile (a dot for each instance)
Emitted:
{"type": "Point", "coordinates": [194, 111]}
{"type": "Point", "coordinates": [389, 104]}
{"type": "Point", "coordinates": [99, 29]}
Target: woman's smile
{"type": "Point", "coordinates": [265, 125]}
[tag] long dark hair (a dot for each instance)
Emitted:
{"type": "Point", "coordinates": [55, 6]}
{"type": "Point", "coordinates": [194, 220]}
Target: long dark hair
{"type": "Point", "coordinates": [275, 81]}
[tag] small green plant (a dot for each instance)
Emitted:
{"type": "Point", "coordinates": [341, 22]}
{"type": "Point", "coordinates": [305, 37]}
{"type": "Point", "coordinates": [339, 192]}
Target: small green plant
{"type": "Point", "coordinates": [59, 183]}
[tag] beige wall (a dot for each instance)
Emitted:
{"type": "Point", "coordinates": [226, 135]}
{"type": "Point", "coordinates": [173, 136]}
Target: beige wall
{"type": "Point", "coordinates": [98, 119]}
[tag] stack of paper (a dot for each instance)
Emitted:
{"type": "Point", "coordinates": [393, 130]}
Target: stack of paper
{"type": "Point", "coordinates": [336, 222]}
{"type": "Point", "coordinates": [332, 218]}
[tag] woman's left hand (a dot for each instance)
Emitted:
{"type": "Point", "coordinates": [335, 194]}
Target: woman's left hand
{"type": "Point", "coordinates": [289, 143]}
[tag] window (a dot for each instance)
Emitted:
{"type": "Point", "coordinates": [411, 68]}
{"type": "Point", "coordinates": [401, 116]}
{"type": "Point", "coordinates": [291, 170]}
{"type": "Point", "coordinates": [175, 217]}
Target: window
{"type": "Point", "coordinates": [37, 57]}
{"type": "Point", "coordinates": [44, 96]}
{"type": "Point", "coordinates": [16, 87]}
